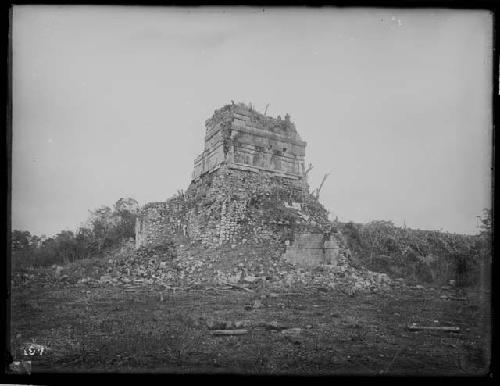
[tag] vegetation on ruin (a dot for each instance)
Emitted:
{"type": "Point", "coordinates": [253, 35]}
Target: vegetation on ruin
{"type": "Point", "coordinates": [267, 122]}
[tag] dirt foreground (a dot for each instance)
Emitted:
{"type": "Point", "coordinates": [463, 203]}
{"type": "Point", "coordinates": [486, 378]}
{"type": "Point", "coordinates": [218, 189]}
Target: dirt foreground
{"type": "Point", "coordinates": [76, 328]}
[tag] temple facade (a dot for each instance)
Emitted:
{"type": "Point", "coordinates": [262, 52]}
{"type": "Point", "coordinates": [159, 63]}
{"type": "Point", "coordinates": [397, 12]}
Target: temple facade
{"type": "Point", "coordinates": [244, 139]}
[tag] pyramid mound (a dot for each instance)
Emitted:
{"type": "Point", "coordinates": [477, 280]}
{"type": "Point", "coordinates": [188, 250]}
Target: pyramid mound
{"type": "Point", "coordinates": [248, 186]}
{"type": "Point", "coordinates": [248, 211]}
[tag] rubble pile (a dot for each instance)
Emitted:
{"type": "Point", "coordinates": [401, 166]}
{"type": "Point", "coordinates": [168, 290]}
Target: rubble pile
{"type": "Point", "coordinates": [261, 267]}
{"type": "Point", "coordinates": [251, 266]}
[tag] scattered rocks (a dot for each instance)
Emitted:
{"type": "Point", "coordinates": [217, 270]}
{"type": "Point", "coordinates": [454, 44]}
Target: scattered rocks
{"type": "Point", "coordinates": [242, 323]}
{"type": "Point", "coordinates": [273, 325]}
{"type": "Point", "coordinates": [292, 331]}
{"type": "Point", "coordinates": [257, 304]}
{"type": "Point", "coordinates": [227, 324]}
{"type": "Point", "coordinates": [251, 267]}
{"type": "Point", "coordinates": [293, 335]}
{"type": "Point", "coordinates": [58, 270]}
{"type": "Point", "coordinates": [250, 279]}
{"type": "Point", "coordinates": [20, 367]}
{"type": "Point", "coordinates": [105, 279]}
{"type": "Point", "coordinates": [216, 325]}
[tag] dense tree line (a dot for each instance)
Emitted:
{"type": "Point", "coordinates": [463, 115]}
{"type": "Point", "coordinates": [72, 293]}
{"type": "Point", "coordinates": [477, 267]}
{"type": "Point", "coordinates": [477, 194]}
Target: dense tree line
{"type": "Point", "coordinates": [105, 229]}
{"type": "Point", "coordinates": [423, 255]}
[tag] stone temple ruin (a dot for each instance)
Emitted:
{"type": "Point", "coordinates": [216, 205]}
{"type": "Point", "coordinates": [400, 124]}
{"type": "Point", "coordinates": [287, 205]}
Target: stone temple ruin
{"type": "Point", "coordinates": [245, 140]}
{"type": "Point", "coordinates": [248, 210]}
{"type": "Point", "coordinates": [248, 186]}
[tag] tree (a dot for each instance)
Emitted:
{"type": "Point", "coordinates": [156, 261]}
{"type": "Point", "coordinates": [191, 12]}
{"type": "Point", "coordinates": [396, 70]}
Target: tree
{"type": "Point", "coordinates": [20, 240]}
{"type": "Point", "coordinates": [485, 225]}
{"type": "Point", "coordinates": [485, 236]}
{"type": "Point", "coordinates": [318, 190]}
{"type": "Point", "coordinates": [102, 221]}
{"type": "Point", "coordinates": [110, 226]}
{"type": "Point", "coordinates": [485, 253]}
{"type": "Point", "coordinates": [65, 246]}
{"type": "Point", "coordinates": [309, 168]}
{"type": "Point", "coordinates": [35, 242]}
{"type": "Point", "coordinates": [126, 209]}
{"type": "Point", "coordinates": [86, 244]}
{"type": "Point", "coordinates": [128, 205]}
{"type": "Point", "coordinates": [105, 228]}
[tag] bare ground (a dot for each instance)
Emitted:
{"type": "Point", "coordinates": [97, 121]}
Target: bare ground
{"type": "Point", "coordinates": [109, 329]}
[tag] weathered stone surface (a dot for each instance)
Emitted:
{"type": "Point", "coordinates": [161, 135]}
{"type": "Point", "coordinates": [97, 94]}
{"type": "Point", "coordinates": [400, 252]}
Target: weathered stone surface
{"type": "Point", "coordinates": [229, 206]}
{"type": "Point", "coordinates": [237, 135]}
{"type": "Point", "coordinates": [306, 250]}
{"type": "Point", "coordinates": [331, 251]}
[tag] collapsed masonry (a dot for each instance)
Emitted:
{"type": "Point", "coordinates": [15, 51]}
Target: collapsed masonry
{"type": "Point", "coordinates": [248, 185]}
{"type": "Point", "coordinates": [249, 189]}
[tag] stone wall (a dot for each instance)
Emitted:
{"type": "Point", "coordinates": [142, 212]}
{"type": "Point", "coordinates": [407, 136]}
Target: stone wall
{"type": "Point", "coordinates": [306, 250]}
{"type": "Point", "coordinates": [226, 205]}
{"type": "Point", "coordinates": [233, 206]}
{"type": "Point", "coordinates": [161, 222]}
{"type": "Point", "coordinates": [311, 249]}
{"type": "Point", "coordinates": [150, 226]}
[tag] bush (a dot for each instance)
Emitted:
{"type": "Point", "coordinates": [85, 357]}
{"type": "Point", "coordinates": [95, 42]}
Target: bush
{"type": "Point", "coordinates": [425, 256]}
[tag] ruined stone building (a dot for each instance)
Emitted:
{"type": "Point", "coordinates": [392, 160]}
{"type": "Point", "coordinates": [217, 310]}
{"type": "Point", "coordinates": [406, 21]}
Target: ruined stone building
{"type": "Point", "coordinates": [245, 140]}
{"type": "Point", "coordinates": [248, 186]}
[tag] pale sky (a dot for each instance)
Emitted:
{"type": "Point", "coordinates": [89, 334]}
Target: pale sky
{"type": "Point", "coordinates": [110, 102]}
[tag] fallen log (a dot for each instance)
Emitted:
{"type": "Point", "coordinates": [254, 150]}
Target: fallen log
{"type": "Point", "coordinates": [229, 332]}
{"type": "Point", "coordinates": [419, 328]}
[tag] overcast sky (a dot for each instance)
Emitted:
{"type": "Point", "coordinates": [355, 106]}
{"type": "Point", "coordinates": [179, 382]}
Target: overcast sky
{"type": "Point", "coordinates": [110, 102]}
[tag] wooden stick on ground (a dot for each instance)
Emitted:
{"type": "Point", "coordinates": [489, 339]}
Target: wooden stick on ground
{"type": "Point", "coordinates": [229, 332]}
{"type": "Point", "coordinates": [417, 328]}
